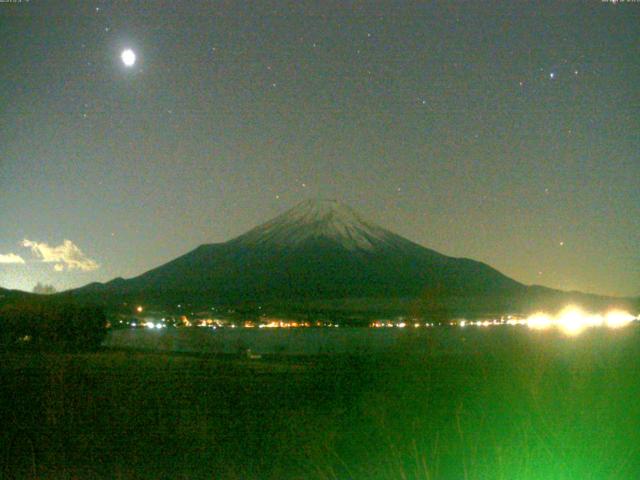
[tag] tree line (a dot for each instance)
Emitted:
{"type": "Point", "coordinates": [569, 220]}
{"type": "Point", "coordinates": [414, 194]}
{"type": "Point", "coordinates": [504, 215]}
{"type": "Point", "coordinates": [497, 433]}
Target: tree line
{"type": "Point", "coordinates": [51, 326]}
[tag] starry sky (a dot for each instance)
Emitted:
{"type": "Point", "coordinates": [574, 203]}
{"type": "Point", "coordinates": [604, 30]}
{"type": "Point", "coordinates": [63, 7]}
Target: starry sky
{"type": "Point", "coordinates": [506, 132]}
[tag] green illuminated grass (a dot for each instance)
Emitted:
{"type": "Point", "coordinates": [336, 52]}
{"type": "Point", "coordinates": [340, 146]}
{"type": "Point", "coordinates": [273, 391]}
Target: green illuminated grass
{"type": "Point", "coordinates": [538, 406]}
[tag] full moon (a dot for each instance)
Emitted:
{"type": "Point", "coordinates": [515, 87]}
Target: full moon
{"type": "Point", "coordinates": [128, 57]}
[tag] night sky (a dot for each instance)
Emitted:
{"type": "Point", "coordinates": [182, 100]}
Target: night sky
{"type": "Point", "coordinates": [504, 132]}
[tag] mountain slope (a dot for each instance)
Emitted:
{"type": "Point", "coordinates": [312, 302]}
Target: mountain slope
{"type": "Point", "coordinates": [317, 250]}
{"type": "Point", "coordinates": [323, 253]}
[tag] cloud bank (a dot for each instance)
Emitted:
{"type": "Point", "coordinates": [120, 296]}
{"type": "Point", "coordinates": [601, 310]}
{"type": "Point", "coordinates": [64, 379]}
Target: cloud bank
{"type": "Point", "coordinates": [11, 258]}
{"type": "Point", "coordinates": [65, 257]}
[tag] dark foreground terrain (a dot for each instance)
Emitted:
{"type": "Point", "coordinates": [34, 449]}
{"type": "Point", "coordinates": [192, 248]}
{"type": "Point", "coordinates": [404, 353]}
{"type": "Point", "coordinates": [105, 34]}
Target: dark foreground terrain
{"type": "Point", "coordinates": [539, 406]}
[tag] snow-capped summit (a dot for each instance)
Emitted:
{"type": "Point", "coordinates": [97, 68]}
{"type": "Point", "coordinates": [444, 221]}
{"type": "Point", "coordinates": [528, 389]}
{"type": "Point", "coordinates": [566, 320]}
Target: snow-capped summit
{"type": "Point", "coordinates": [318, 219]}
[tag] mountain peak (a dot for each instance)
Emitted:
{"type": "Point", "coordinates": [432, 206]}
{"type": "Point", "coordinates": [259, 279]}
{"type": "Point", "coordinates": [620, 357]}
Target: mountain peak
{"type": "Point", "coordinates": [318, 210]}
{"type": "Point", "coordinates": [326, 219]}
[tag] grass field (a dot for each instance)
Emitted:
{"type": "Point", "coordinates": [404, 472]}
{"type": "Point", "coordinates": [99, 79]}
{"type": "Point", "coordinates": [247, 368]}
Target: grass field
{"type": "Point", "coordinates": [537, 406]}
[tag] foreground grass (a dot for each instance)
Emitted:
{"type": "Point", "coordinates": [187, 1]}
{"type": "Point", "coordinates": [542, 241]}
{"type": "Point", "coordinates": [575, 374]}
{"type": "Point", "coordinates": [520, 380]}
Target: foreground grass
{"type": "Point", "coordinates": [536, 407]}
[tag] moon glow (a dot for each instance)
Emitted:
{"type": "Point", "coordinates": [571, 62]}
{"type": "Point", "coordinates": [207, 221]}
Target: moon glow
{"type": "Point", "coordinates": [128, 57]}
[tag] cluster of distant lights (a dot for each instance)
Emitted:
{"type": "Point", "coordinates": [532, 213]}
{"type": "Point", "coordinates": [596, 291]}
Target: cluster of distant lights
{"type": "Point", "coordinates": [213, 323]}
{"type": "Point", "coordinates": [571, 320]}
{"type": "Point", "coordinates": [157, 325]}
{"type": "Point", "coordinates": [390, 324]}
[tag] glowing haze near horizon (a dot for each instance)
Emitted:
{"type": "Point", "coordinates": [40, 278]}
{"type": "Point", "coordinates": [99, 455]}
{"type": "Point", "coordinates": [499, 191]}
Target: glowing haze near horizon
{"type": "Point", "coordinates": [507, 133]}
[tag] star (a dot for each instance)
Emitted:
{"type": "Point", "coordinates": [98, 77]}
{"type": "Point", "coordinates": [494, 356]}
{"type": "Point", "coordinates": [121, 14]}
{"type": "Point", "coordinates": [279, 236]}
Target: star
{"type": "Point", "coordinates": [552, 75]}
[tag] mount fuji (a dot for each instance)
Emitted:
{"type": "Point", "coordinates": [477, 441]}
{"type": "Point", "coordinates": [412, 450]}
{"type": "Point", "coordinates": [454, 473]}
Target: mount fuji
{"type": "Point", "coordinates": [321, 255]}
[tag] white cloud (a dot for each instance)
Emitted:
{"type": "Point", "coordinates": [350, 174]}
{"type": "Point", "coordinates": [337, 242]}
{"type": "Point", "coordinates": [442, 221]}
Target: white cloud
{"type": "Point", "coordinates": [66, 256]}
{"type": "Point", "coordinates": [11, 258]}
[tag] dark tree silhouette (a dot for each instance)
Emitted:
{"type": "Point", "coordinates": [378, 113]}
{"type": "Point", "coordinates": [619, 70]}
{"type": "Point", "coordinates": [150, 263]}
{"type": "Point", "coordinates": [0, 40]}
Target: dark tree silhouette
{"type": "Point", "coordinates": [51, 326]}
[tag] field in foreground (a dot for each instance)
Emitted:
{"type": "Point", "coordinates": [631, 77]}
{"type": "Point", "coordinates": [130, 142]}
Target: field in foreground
{"type": "Point", "coordinates": [536, 406]}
